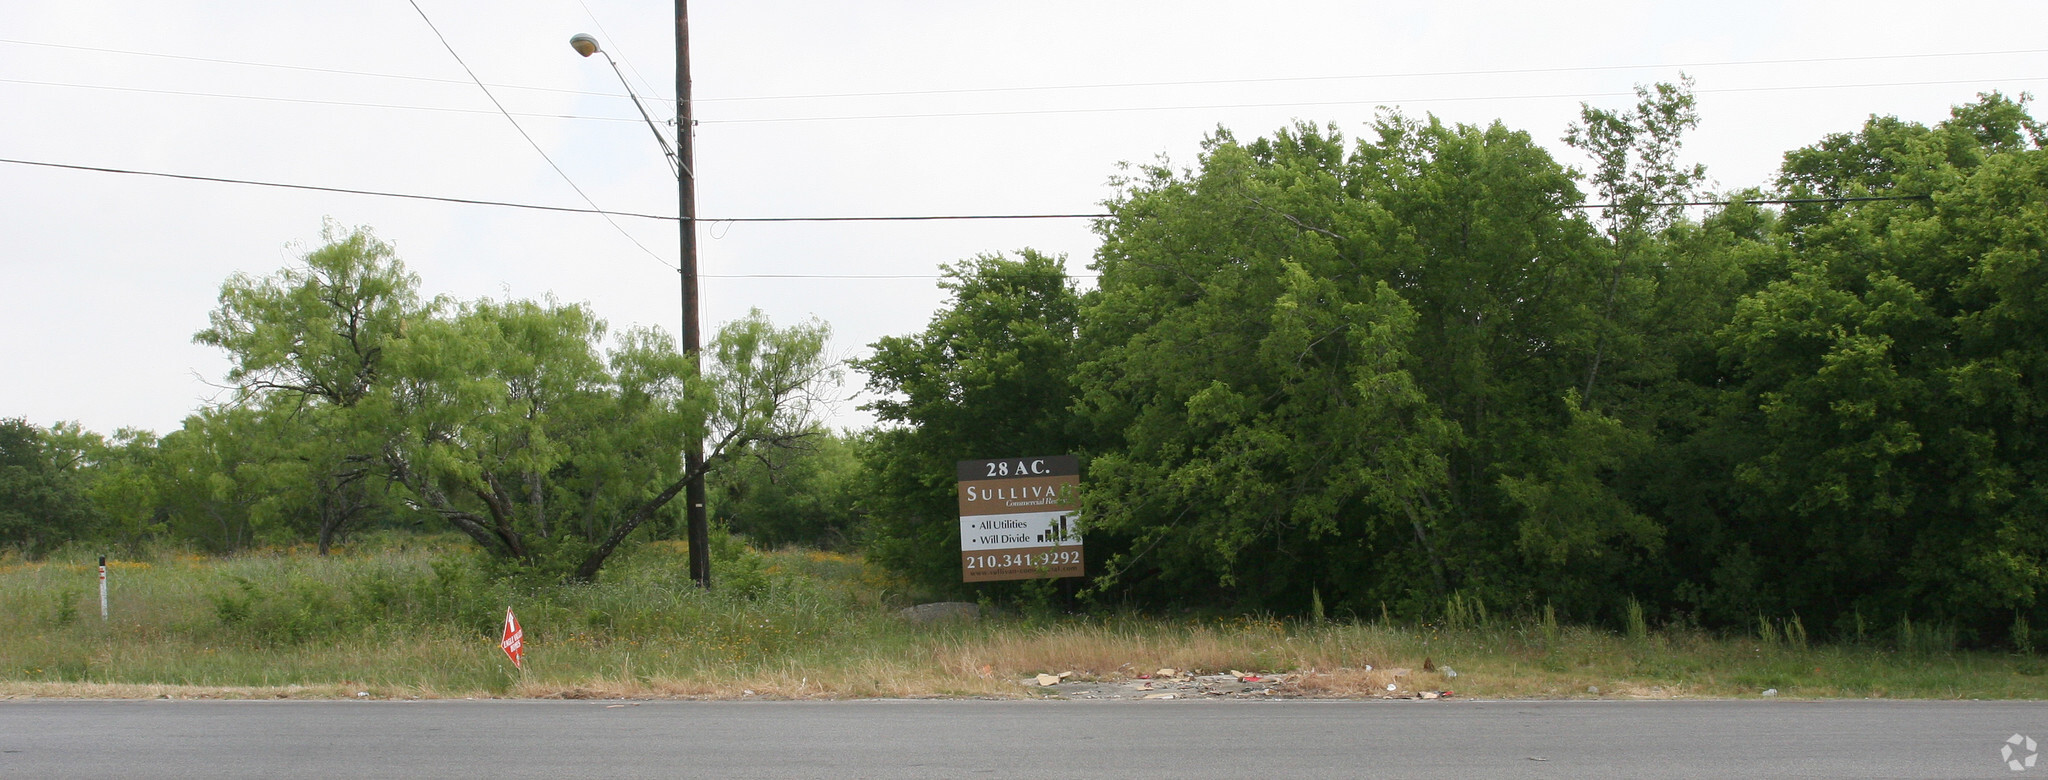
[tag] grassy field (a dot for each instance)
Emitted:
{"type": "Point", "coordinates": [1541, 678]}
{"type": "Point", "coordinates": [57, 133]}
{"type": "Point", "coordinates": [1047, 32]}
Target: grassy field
{"type": "Point", "coordinates": [413, 618]}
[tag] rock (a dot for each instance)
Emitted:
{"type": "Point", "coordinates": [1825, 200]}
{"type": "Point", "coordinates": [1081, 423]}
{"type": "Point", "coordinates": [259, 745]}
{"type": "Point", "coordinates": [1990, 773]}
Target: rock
{"type": "Point", "coordinates": [941, 611]}
{"type": "Point", "coordinates": [1593, 689]}
{"type": "Point", "coordinates": [1770, 692]}
{"type": "Point", "coordinates": [1450, 673]}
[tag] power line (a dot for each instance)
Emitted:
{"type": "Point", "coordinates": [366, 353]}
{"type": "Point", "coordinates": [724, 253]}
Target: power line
{"type": "Point", "coordinates": [306, 68]}
{"type": "Point", "coordinates": [535, 207]}
{"type": "Point", "coordinates": [1058, 87]}
{"type": "Point", "coordinates": [1754, 201]}
{"type": "Point", "coordinates": [910, 218]}
{"type": "Point", "coordinates": [1364, 76]}
{"type": "Point", "coordinates": [1042, 111]}
{"type": "Point", "coordinates": [311, 101]}
{"type": "Point", "coordinates": [918, 218]}
{"type": "Point", "coordinates": [852, 276]}
{"type": "Point", "coordinates": [529, 139]}
{"type": "Point", "coordinates": [342, 190]}
{"type": "Point", "coordinates": [1297, 104]}
{"type": "Point", "coordinates": [612, 47]}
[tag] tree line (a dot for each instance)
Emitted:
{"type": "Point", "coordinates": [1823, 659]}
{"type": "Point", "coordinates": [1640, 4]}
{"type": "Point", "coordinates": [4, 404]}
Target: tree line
{"type": "Point", "coordinates": [358, 403]}
{"type": "Point", "coordinates": [1432, 365]}
{"type": "Point", "coordinates": [1437, 364]}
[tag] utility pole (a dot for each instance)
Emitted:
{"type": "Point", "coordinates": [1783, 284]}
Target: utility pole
{"type": "Point", "coordinates": [699, 526]}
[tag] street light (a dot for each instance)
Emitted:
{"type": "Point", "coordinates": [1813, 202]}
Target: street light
{"type": "Point", "coordinates": [679, 159]}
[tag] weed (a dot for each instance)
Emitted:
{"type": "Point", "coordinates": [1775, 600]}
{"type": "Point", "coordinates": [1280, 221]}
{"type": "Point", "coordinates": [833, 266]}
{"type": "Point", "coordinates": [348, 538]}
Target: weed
{"type": "Point", "coordinates": [421, 620]}
{"type": "Point", "coordinates": [1795, 633]}
{"type": "Point", "coordinates": [65, 611]}
{"type": "Point", "coordinates": [1925, 638]}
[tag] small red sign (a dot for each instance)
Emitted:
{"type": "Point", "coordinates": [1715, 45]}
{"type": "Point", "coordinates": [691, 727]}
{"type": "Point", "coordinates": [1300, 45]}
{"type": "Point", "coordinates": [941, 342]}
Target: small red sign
{"type": "Point", "coordinates": [514, 641]}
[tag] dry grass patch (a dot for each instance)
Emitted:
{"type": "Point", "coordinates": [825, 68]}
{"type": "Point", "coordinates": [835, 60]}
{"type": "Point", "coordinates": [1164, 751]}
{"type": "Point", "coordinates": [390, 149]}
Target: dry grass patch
{"type": "Point", "coordinates": [421, 622]}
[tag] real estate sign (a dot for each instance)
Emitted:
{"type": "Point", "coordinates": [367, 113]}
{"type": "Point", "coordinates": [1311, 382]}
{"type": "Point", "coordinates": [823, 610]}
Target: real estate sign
{"type": "Point", "coordinates": [1017, 518]}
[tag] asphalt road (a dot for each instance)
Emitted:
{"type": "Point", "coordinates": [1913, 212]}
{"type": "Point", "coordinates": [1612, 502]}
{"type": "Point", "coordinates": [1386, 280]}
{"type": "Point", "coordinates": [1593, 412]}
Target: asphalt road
{"type": "Point", "coordinates": [952, 739]}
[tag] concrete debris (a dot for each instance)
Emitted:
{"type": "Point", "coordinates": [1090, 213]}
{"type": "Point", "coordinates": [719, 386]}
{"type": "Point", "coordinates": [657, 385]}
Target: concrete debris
{"type": "Point", "coordinates": [1174, 684]}
{"type": "Point", "coordinates": [941, 611]}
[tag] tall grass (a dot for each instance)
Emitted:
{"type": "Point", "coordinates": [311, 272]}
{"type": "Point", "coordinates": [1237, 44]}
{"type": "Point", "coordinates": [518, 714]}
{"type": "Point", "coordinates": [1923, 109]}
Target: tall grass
{"type": "Point", "coordinates": [406, 618]}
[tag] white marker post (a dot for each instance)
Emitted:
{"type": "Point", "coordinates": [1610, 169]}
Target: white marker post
{"type": "Point", "coordinates": [103, 588]}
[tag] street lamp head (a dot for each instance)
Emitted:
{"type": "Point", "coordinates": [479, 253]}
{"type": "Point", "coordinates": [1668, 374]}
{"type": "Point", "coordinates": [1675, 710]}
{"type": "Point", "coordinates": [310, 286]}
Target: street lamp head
{"type": "Point", "coordinates": [583, 44]}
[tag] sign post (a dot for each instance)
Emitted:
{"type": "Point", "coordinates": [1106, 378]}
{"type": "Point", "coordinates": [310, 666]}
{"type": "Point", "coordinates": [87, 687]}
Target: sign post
{"type": "Point", "coordinates": [1017, 518]}
{"type": "Point", "coordinates": [103, 588]}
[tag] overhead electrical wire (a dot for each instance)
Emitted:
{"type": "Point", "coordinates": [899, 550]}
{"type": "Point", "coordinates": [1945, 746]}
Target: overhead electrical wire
{"type": "Point", "coordinates": [905, 218]}
{"type": "Point", "coordinates": [1058, 87]}
{"type": "Point", "coordinates": [612, 47]}
{"type": "Point", "coordinates": [307, 68]}
{"type": "Point", "coordinates": [529, 138]}
{"type": "Point", "coordinates": [1364, 76]}
{"type": "Point", "coordinates": [342, 190]}
{"type": "Point", "coordinates": [1022, 111]}
{"type": "Point", "coordinates": [311, 101]}
{"type": "Point", "coordinates": [1304, 103]}
{"type": "Point", "coordinates": [927, 217]}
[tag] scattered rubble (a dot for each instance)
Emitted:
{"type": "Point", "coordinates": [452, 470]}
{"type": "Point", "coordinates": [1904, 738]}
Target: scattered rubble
{"type": "Point", "coordinates": [1169, 684]}
{"type": "Point", "coordinates": [941, 611]}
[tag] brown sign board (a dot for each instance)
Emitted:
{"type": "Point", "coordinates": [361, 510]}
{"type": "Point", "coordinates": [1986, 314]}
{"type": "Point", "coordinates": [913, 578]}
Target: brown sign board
{"type": "Point", "coordinates": [1017, 518]}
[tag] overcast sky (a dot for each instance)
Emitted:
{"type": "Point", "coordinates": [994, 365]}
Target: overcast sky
{"type": "Point", "coordinates": [806, 109]}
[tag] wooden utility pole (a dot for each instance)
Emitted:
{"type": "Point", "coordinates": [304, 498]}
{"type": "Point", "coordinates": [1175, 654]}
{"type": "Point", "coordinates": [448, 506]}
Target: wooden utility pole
{"type": "Point", "coordinates": [699, 526]}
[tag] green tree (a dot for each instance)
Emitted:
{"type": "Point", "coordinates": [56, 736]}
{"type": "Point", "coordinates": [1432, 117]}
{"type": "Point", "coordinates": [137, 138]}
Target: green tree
{"type": "Point", "coordinates": [222, 480]}
{"type": "Point", "coordinates": [312, 343]}
{"type": "Point", "coordinates": [507, 420]}
{"type": "Point", "coordinates": [1891, 379]}
{"type": "Point", "coordinates": [989, 377]}
{"type": "Point", "coordinates": [42, 503]}
{"type": "Point", "coordinates": [804, 495]}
